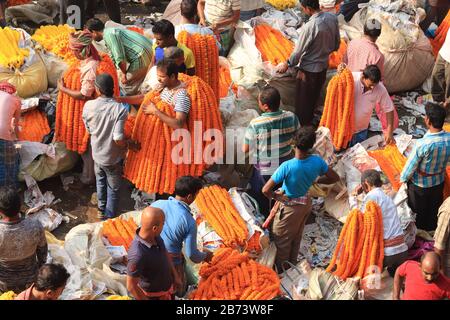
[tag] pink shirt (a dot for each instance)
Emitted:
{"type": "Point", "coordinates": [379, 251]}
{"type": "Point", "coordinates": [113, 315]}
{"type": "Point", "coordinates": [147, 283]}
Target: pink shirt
{"type": "Point", "coordinates": [9, 109]}
{"type": "Point", "coordinates": [25, 295]}
{"type": "Point", "coordinates": [88, 69]}
{"type": "Point", "coordinates": [361, 53]}
{"type": "Point", "coordinates": [365, 102]}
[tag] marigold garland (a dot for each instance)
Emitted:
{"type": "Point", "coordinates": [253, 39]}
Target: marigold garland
{"type": "Point", "coordinates": [55, 39]}
{"type": "Point", "coordinates": [129, 126]}
{"type": "Point", "coordinates": [119, 232]}
{"type": "Point", "coordinates": [391, 161]}
{"type": "Point", "coordinates": [206, 55]}
{"type": "Point", "coordinates": [360, 244]}
{"type": "Point", "coordinates": [69, 127]}
{"type": "Point", "coordinates": [225, 82]}
{"type": "Point", "coordinates": [272, 45]}
{"type": "Point", "coordinates": [9, 295]}
{"type": "Point", "coordinates": [339, 109]}
{"type": "Point", "coordinates": [33, 126]}
{"type": "Point", "coordinates": [152, 168]}
{"type": "Point", "coordinates": [440, 34]}
{"type": "Point", "coordinates": [447, 183]}
{"type": "Point", "coordinates": [282, 4]}
{"type": "Point", "coordinates": [337, 57]}
{"type": "Point", "coordinates": [136, 29]}
{"type": "Point", "coordinates": [11, 55]}
{"type": "Point", "coordinates": [12, 3]}
{"type": "Point", "coordinates": [234, 276]}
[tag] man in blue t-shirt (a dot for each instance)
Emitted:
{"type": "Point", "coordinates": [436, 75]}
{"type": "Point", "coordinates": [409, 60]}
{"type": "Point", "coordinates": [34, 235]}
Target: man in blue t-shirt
{"type": "Point", "coordinates": [180, 227]}
{"type": "Point", "coordinates": [293, 202]}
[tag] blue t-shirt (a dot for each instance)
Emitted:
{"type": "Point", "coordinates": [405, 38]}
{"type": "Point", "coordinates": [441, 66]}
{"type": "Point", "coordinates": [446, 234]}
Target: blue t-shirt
{"type": "Point", "coordinates": [298, 176]}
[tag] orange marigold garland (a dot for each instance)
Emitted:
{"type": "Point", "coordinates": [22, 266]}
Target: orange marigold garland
{"type": "Point", "coordinates": [336, 58]}
{"type": "Point", "coordinates": [119, 232]}
{"type": "Point", "coordinates": [440, 34]}
{"type": "Point", "coordinates": [272, 45]}
{"type": "Point", "coordinates": [225, 82]}
{"type": "Point", "coordinates": [391, 161]}
{"type": "Point", "coordinates": [151, 169]}
{"type": "Point", "coordinates": [69, 126]}
{"type": "Point", "coordinates": [33, 126]}
{"type": "Point", "coordinates": [234, 276]}
{"type": "Point", "coordinates": [447, 183]}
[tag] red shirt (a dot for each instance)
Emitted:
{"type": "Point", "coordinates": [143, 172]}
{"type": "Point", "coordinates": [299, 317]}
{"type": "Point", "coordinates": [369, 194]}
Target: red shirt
{"type": "Point", "coordinates": [417, 288]}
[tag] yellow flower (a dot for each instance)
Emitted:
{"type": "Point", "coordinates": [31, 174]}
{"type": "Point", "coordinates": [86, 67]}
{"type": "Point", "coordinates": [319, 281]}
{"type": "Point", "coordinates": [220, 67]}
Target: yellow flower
{"type": "Point", "coordinates": [282, 4]}
{"type": "Point", "coordinates": [10, 295]}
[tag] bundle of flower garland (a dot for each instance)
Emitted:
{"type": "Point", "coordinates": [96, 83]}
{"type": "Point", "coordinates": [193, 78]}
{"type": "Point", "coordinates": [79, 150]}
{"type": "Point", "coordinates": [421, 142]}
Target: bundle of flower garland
{"type": "Point", "coordinates": [33, 126]}
{"type": "Point", "coordinates": [337, 57]}
{"type": "Point", "coordinates": [55, 39]}
{"type": "Point", "coordinates": [115, 297]}
{"type": "Point", "coordinates": [339, 109]}
{"type": "Point", "coordinates": [360, 245]}
{"type": "Point", "coordinates": [392, 162]}
{"type": "Point", "coordinates": [253, 244]}
{"type": "Point", "coordinates": [152, 168]}
{"type": "Point", "coordinates": [119, 232]}
{"type": "Point", "coordinates": [69, 126]}
{"type": "Point", "coordinates": [233, 276]}
{"type": "Point", "coordinates": [12, 3]}
{"type": "Point", "coordinates": [136, 29]}
{"type": "Point", "coordinates": [272, 45]}
{"type": "Point", "coordinates": [282, 4]}
{"type": "Point", "coordinates": [11, 55]}
{"type": "Point", "coordinates": [217, 208]}
{"type": "Point", "coordinates": [225, 82]}
{"type": "Point", "coordinates": [446, 127]}
{"type": "Point", "coordinates": [206, 55]}
{"type": "Point", "coordinates": [440, 34]}
{"type": "Point", "coordinates": [129, 126]}
{"type": "Point", "coordinates": [9, 295]}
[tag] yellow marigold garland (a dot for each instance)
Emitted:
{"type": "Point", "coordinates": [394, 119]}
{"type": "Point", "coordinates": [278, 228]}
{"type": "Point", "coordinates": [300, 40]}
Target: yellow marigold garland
{"type": "Point", "coordinates": [11, 56]}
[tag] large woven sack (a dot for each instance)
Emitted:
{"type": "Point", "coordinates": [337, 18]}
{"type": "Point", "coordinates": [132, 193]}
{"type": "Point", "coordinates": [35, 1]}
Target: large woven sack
{"type": "Point", "coordinates": [29, 80]}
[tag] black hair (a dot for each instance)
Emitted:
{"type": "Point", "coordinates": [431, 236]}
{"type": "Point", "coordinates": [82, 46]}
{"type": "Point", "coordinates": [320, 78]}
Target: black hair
{"type": "Point", "coordinates": [164, 27]}
{"type": "Point", "coordinates": [372, 177]}
{"type": "Point", "coordinates": [9, 201]}
{"type": "Point", "coordinates": [51, 277]}
{"type": "Point", "coordinates": [105, 84]}
{"type": "Point", "coordinates": [169, 65]}
{"type": "Point", "coordinates": [270, 96]}
{"type": "Point", "coordinates": [187, 185]}
{"type": "Point", "coordinates": [313, 4]}
{"type": "Point", "coordinates": [372, 28]}
{"type": "Point", "coordinates": [373, 73]}
{"type": "Point", "coordinates": [305, 139]}
{"type": "Point", "coordinates": [188, 9]}
{"type": "Point", "coordinates": [436, 114]}
{"type": "Point", "coordinates": [95, 24]}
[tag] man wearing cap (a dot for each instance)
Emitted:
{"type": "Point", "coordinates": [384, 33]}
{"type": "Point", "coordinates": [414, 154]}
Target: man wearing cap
{"type": "Point", "coordinates": [104, 119]}
{"type": "Point", "coordinates": [9, 118]}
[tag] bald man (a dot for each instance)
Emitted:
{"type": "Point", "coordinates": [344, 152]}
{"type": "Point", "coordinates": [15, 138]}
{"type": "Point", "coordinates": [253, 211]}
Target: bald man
{"type": "Point", "coordinates": [422, 281]}
{"type": "Point", "coordinates": [150, 273]}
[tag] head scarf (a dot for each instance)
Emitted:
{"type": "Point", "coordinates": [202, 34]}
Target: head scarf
{"type": "Point", "coordinates": [81, 42]}
{"type": "Point", "coordinates": [7, 87]}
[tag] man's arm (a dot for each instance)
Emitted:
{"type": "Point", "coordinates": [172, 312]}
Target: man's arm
{"type": "Point", "coordinates": [304, 41]}
{"type": "Point", "coordinates": [411, 165]}
{"type": "Point", "coordinates": [114, 44]}
{"type": "Point", "coordinates": [73, 93]}
{"type": "Point", "coordinates": [42, 249]}
{"type": "Point", "coordinates": [175, 123]}
{"type": "Point", "coordinates": [134, 289]}
{"type": "Point", "coordinates": [398, 284]}
{"type": "Point", "coordinates": [190, 244]}
{"type": "Point", "coordinates": [329, 178]}
{"type": "Point", "coordinates": [201, 12]}
{"type": "Point", "coordinates": [176, 276]}
{"type": "Point", "coordinates": [134, 100]}
{"type": "Point", "coordinates": [17, 116]}
{"type": "Point", "coordinates": [389, 134]}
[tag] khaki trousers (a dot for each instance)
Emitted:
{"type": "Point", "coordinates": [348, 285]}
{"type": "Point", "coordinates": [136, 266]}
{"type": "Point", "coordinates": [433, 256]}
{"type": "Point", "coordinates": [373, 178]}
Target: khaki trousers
{"type": "Point", "coordinates": [440, 86]}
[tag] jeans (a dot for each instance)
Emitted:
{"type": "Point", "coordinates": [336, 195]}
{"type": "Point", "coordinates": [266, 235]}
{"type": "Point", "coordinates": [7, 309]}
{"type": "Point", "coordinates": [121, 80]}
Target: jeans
{"type": "Point", "coordinates": [109, 180]}
{"type": "Point", "coordinates": [257, 182]}
{"type": "Point", "coordinates": [247, 15]}
{"type": "Point", "coordinates": [359, 137]}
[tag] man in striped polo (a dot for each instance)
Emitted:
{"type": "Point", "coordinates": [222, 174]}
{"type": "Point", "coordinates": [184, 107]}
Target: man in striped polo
{"type": "Point", "coordinates": [424, 171]}
{"type": "Point", "coordinates": [268, 139]}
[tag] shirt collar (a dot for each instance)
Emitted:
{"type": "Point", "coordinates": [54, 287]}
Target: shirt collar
{"type": "Point", "coordinates": [434, 133]}
{"type": "Point", "coordinates": [374, 190]}
{"type": "Point", "coordinates": [315, 15]}
{"type": "Point", "coordinates": [147, 244]}
{"type": "Point", "coordinates": [182, 203]}
{"type": "Point", "coordinates": [273, 113]}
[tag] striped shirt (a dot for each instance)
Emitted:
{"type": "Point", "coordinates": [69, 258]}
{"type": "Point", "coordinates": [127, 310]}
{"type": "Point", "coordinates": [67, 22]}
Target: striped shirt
{"type": "Point", "coordinates": [178, 98]}
{"type": "Point", "coordinates": [270, 135]}
{"type": "Point", "coordinates": [428, 160]}
{"type": "Point", "coordinates": [249, 5]}
{"type": "Point", "coordinates": [217, 10]}
{"type": "Point", "coordinates": [442, 234]}
{"type": "Point", "coordinates": [128, 46]}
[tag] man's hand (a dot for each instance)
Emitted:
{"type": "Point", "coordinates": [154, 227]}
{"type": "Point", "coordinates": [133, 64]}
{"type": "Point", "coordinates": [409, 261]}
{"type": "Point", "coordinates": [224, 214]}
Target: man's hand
{"type": "Point", "coordinates": [150, 109]}
{"type": "Point", "coordinates": [202, 22]}
{"type": "Point", "coordinates": [282, 67]}
{"type": "Point", "coordinates": [280, 196]}
{"type": "Point", "coordinates": [389, 138]}
{"type": "Point", "coordinates": [133, 145]}
{"type": "Point", "coordinates": [123, 78]}
{"type": "Point", "coordinates": [209, 256]}
{"type": "Point", "coordinates": [214, 28]}
{"type": "Point", "coordinates": [358, 190]}
{"type": "Point", "coordinates": [61, 84]}
{"type": "Point", "coordinates": [341, 67]}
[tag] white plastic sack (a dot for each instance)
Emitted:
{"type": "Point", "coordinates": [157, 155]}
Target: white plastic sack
{"type": "Point", "coordinates": [56, 67]}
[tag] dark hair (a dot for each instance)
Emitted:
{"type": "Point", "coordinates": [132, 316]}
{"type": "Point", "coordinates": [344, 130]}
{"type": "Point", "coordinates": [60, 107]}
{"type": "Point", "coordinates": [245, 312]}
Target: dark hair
{"type": "Point", "coordinates": [105, 84]}
{"type": "Point", "coordinates": [169, 65]}
{"type": "Point", "coordinates": [164, 27]}
{"type": "Point", "coordinates": [305, 139]}
{"type": "Point", "coordinates": [372, 28]}
{"type": "Point", "coordinates": [187, 185]}
{"type": "Point", "coordinates": [373, 73]}
{"type": "Point", "coordinates": [436, 114]}
{"type": "Point", "coordinates": [188, 9]}
{"type": "Point", "coordinates": [9, 201]}
{"type": "Point", "coordinates": [438, 257]}
{"type": "Point", "coordinates": [270, 96]}
{"type": "Point", "coordinates": [95, 24]}
{"type": "Point", "coordinates": [372, 177]}
{"type": "Point", "coordinates": [313, 4]}
{"type": "Point", "coordinates": [51, 277]}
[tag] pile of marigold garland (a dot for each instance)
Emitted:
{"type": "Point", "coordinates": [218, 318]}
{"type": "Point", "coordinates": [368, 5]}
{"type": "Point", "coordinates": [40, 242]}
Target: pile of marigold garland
{"type": "Point", "coordinates": [272, 45]}
{"type": "Point", "coordinates": [120, 232]}
{"type": "Point", "coordinates": [225, 82]}
{"type": "Point", "coordinates": [33, 126]}
{"type": "Point", "coordinates": [152, 169]}
{"type": "Point", "coordinates": [55, 39]}
{"type": "Point", "coordinates": [337, 57]}
{"type": "Point", "coordinates": [282, 4]}
{"type": "Point", "coordinates": [440, 34]}
{"type": "Point", "coordinates": [11, 55]}
{"type": "Point", "coordinates": [339, 109]}
{"type": "Point", "coordinates": [69, 127]}
{"type": "Point", "coordinates": [206, 55]}
{"type": "Point", "coordinates": [233, 276]}
{"type": "Point", "coordinates": [391, 161]}
{"type": "Point", "coordinates": [217, 208]}
{"type": "Point", "coordinates": [360, 245]}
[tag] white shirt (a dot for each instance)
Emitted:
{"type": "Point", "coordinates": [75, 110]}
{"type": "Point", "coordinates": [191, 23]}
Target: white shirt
{"type": "Point", "coordinates": [445, 50]}
{"type": "Point", "coordinates": [391, 221]}
{"type": "Point", "coordinates": [151, 81]}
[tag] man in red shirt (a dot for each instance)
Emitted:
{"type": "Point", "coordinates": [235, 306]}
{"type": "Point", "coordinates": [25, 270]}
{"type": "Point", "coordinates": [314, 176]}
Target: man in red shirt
{"type": "Point", "coordinates": [422, 281]}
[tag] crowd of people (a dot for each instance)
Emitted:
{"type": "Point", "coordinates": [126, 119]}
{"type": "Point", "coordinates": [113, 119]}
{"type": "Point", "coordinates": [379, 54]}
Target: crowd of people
{"type": "Point", "coordinates": [168, 231]}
